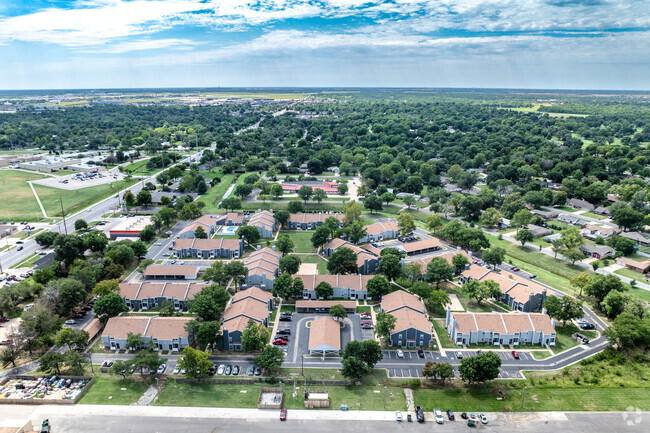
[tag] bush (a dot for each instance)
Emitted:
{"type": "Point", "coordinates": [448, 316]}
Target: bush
{"type": "Point", "coordinates": [415, 384]}
{"type": "Point", "coordinates": [271, 380]}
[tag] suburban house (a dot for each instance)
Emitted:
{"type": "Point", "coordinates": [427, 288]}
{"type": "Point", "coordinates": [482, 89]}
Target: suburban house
{"type": "Point", "coordinates": [449, 257]}
{"type": "Point", "coordinates": [420, 247]}
{"type": "Point", "coordinates": [638, 238]}
{"type": "Point", "coordinates": [580, 204]}
{"type": "Point", "coordinates": [545, 214]}
{"type": "Point", "coordinates": [171, 272]}
{"type": "Point", "coordinates": [597, 251]}
{"type": "Point", "coordinates": [265, 223]}
{"type": "Point", "coordinates": [324, 337]}
{"type": "Point", "coordinates": [553, 237]}
{"type": "Point", "coordinates": [538, 231]}
{"type": "Point", "coordinates": [303, 306]}
{"type": "Point", "coordinates": [601, 210]}
{"type": "Point", "coordinates": [412, 327]}
{"type": "Point", "coordinates": [208, 224]}
{"type": "Point", "coordinates": [345, 286]}
{"type": "Point", "coordinates": [158, 333]}
{"type": "Point", "coordinates": [592, 231]}
{"type": "Point", "coordinates": [504, 223]}
{"type": "Point", "coordinates": [294, 186]}
{"type": "Point", "coordinates": [209, 248]}
{"type": "Point", "coordinates": [311, 221]}
{"type": "Point", "coordinates": [367, 262]}
{"type": "Point", "coordinates": [248, 305]}
{"type": "Point", "coordinates": [230, 219]}
{"type": "Point", "coordinates": [380, 231]}
{"type": "Point", "coordinates": [508, 329]}
{"type": "Point", "coordinates": [145, 295]}
{"type": "Point", "coordinates": [635, 265]}
{"type": "Point", "coordinates": [263, 267]}
{"type": "Point", "coordinates": [572, 219]}
{"type": "Point", "coordinates": [517, 293]}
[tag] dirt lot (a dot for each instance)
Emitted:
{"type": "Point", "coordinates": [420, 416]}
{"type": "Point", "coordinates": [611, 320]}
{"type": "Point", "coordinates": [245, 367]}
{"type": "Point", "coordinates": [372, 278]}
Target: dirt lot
{"type": "Point", "coordinates": [308, 269]}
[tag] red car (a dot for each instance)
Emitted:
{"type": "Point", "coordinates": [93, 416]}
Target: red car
{"type": "Point", "coordinates": [367, 322]}
{"type": "Point", "coordinates": [515, 354]}
{"type": "Point", "coordinates": [279, 341]}
{"type": "Point", "coordinates": [78, 316]}
{"type": "Point", "coordinates": [283, 415]}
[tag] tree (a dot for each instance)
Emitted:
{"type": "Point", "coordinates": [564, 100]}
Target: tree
{"type": "Point", "coordinates": [573, 255]}
{"type": "Point", "coordinates": [557, 246]}
{"type": "Point", "coordinates": [600, 285]}
{"type": "Point", "coordinates": [521, 218]}
{"type": "Point", "coordinates": [210, 302]}
{"type": "Point", "coordinates": [73, 338]}
{"type": "Point", "coordinates": [408, 200]}
{"type": "Point", "coordinates": [290, 264]}
{"type": "Point", "coordinates": [481, 290]}
{"type": "Point", "coordinates": [231, 203]}
{"type": "Point", "coordinates": [343, 261]}
{"type": "Point", "coordinates": [377, 287]}
{"type": "Point", "coordinates": [436, 370]}
{"type": "Point", "coordinates": [196, 363]}
{"type": "Point", "coordinates": [109, 305]}
{"type": "Point", "coordinates": [305, 192]}
{"type": "Point", "coordinates": [129, 199]}
{"type": "Point", "coordinates": [200, 233]}
{"type": "Point", "coordinates": [385, 325]}
{"type": "Point", "coordinates": [295, 206]}
{"type": "Point", "coordinates": [564, 308]}
{"type": "Point", "coordinates": [629, 331]}
{"type": "Point", "coordinates": [122, 368]}
{"type": "Point", "coordinates": [373, 203]}
{"type": "Point", "coordinates": [459, 261]}
{"type": "Point", "coordinates": [439, 270]}
{"type": "Point", "coordinates": [133, 341]}
{"type": "Point", "coordinates": [46, 239]}
{"type": "Point", "coordinates": [282, 216]}
{"type": "Point", "coordinates": [283, 286]}
{"type": "Point", "coordinates": [387, 197]}
{"type": "Point", "coordinates": [143, 198]}
{"type": "Point", "coordinates": [490, 218]}
{"type": "Point", "coordinates": [147, 360]}
{"type": "Point", "coordinates": [80, 225]}
{"type": "Point", "coordinates": [276, 190]}
{"type": "Point", "coordinates": [352, 212]}
{"type": "Point", "coordinates": [354, 368]}
{"type": "Point", "coordinates": [494, 256]}
{"type": "Point", "coordinates": [338, 312]}
{"type": "Point", "coordinates": [439, 299]}
{"type": "Point", "coordinates": [355, 231]}
{"type": "Point", "coordinates": [319, 195]}
{"type": "Point", "coordinates": [623, 246]}
{"type": "Point", "coordinates": [434, 223]}
{"type": "Point", "coordinates": [391, 266]}
{"type": "Point", "coordinates": [406, 223]}
{"type": "Point", "coordinates": [215, 273]}
{"type": "Point", "coordinates": [254, 337]}
{"type": "Point", "coordinates": [71, 292]}
{"type": "Point", "coordinates": [139, 248]}
{"type": "Point", "coordinates": [284, 244]}
{"type": "Point", "coordinates": [324, 290]}
{"type": "Point", "coordinates": [524, 235]}
{"type": "Point", "coordinates": [572, 238]}
{"type": "Point", "coordinates": [68, 248]}
{"type": "Point", "coordinates": [614, 303]}
{"type": "Point", "coordinates": [628, 218]}
{"type": "Point", "coordinates": [9, 354]}
{"type": "Point", "coordinates": [421, 289]}
{"type": "Point", "coordinates": [342, 188]}
{"type": "Point", "coordinates": [320, 237]}
{"type": "Point", "coordinates": [51, 363]}
{"type": "Point", "coordinates": [480, 368]}
{"type": "Point", "coordinates": [270, 359]}
{"type": "Point", "coordinates": [148, 233]}
{"type": "Point", "coordinates": [243, 190]}
{"type": "Point", "coordinates": [237, 271]}
{"type": "Point", "coordinates": [251, 234]}
{"type": "Point", "coordinates": [412, 271]}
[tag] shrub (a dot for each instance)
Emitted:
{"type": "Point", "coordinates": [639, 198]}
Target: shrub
{"type": "Point", "coordinates": [415, 384]}
{"type": "Point", "coordinates": [271, 380]}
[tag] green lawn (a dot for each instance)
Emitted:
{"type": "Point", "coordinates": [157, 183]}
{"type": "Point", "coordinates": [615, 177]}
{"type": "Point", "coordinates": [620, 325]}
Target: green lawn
{"type": "Point", "coordinates": [283, 205]}
{"type": "Point", "coordinates": [321, 264]}
{"type": "Point", "coordinates": [630, 274]}
{"type": "Point", "coordinates": [28, 262]}
{"type": "Point", "coordinates": [291, 308]}
{"type": "Point", "coordinates": [214, 195]}
{"type": "Point", "coordinates": [301, 241]}
{"type": "Point", "coordinates": [17, 198]}
{"type": "Point", "coordinates": [443, 335]}
{"type": "Point", "coordinates": [140, 168]}
{"type": "Point", "coordinates": [566, 209]}
{"type": "Point", "coordinates": [540, 354]}
{"type": "Point", "coordinates": [64, 172]}
{"type": "Point", "coordinates": [594, 215]}
{"type": "Point", "coordinates": [364, 309]}
{"type": "Point", "coordinates": [563, 341]}
{"type": "Point", "coordinates": [103, 388]}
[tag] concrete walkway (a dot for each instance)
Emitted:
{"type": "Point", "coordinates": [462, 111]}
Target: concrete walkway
{"type": "Point", "coordinates": [38, 199]}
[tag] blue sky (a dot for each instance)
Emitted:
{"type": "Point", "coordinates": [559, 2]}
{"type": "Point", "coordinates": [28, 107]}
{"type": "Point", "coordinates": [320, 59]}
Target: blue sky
{"type": "Point", "coordinates": [567, 44]}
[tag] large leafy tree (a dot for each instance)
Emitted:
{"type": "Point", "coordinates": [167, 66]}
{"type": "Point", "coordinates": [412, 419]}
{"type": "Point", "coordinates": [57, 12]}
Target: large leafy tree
{"type": "Point", "coordinates": [254, 337]}
{"type": "Point", "coordinates": [284, 244]}
{"type": "Point", "coordinates": [564, 308]}
{"type": "Point", "coordinates": [600, 285]}
{"type": "Point", "coordinates": [629, 331]}
{"type": "Point", "coordinates": [480, 368]}
{"type": "Point", "coordinates": [378, 286]}
{"type": "Point", "coordinates": [235, 270]}
{"type": "Point", "coordinates": [338, 312]}
{"type": "Point", "coordinates": [324, 290]}
{"type": "Point", "coordinates": [251, 234]}
{"type": "Point", "coordinates": [385, 324]}
{"type": "Point", "coordinates": [109, 305]}
{"type": "Point", "coordinates": [343, 261]}
{"type": "Point", "coordinates": [290, 264]}
{"type": "Point", "coordinates": [270, 359]}
{"type": "Point", "coordinates": [196, 363]}
{"type": "Point", "coordinates": [438, 270]}
{"type": "Point", "coordinates": [210, 302]}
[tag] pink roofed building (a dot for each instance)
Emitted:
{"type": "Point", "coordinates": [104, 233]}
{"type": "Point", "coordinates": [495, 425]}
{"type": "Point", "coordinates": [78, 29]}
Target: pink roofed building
{"type": "Point", "coordinates": [328, 187]}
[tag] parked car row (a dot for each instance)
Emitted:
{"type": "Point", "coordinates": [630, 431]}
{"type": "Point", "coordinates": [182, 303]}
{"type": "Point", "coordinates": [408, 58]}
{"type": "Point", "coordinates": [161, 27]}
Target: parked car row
{"type": "Point", "coordinates": [472, 419]}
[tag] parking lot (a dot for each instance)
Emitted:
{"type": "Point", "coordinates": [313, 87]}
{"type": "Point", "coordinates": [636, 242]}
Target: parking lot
{"type": "Point", "coordinates": [80, 180]}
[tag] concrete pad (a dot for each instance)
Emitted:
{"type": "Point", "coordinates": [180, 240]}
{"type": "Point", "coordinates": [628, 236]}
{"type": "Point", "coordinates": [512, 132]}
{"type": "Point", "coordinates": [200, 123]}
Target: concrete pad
{"type": "Point", "coordinates": [454, 303]}
{"type": "Point", "coordinates": [308, 269]}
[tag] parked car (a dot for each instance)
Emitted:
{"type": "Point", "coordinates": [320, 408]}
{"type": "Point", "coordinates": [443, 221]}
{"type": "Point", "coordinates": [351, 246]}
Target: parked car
{"type": "Point", "coordinates": [419, 414]}
{"type": "Point", "coordinates": [258, 371]}
{"type": "Point", "coordinates": [20, 248]}
{"type": "Point", "coordinates": [70, 322]}
{"type": "Point", "coordinates": [19, 242]}
{"type": "Point", "coordinates": [78, 316]}
{"type": "Point", "coordinates": [515, 354]}
{"type": "Point", "coordinates": [398, 416]}
{"type": "Point", "coordinates": [284, 331]}
{"type": "Point", "coordinates": [4, 319]}
{"type": "Point", "coordinates": [176, 370]}
{"type": "Point", "coordinates": [29, 307]}
{"type": "Point", "coordinates": [221, 369]}
{"type": "Point", "coordinates": [279, 341]}
{"type": "Point", "coordinates": [228, 370]}
{"type": "Point", "coordinates": [282, 337]}
{"type": "Point", "coordinates": [235, 370]}
{"type": "Point", "coordinates": [212, 370]}
{"type": "Point", "coordinates": [533, 276]}
{"type": "Point", "coordinates": [285, 319]}
{"type": "Point", "coordinates": [286, 313]}
{"type": "Point", "coordinates": [421, 353]}
{"type": "Point", "coordinates": [366, 322]}
{"type": "Point", "coordinates": [158, 244]}
{"type": "Point", "coordinates": [437, 413]}
{"type": "Point", "coordinates": [459, 354]}
{"type": "Point", "coordinates": [366, 327]}
{"type": "Point", "coordinates": [581, 321]}
{"type": "Point", "coordinates": [463, 415]}
{"type": "Point", "coordinates": [450, 415]}
{"type": "Point", "coordinates": [515, 269]}
{"type": "Point", "coordinates": [399, 353]}
{"type": "Point", "coordinates": [483, 418]}
{"type": "Point", "coordinates": [251, 370]}
{"type": "Point", "coordinates": [587, 326]}
{"type": "Point", "coordinates": [283, 414]}
{"type": "Point", "coordinates": [161, 369]}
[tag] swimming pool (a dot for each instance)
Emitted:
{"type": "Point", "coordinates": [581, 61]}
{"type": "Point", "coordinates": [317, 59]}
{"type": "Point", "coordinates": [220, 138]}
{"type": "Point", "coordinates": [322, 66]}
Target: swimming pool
{"type": "Point", "coordinates": [228, 230]}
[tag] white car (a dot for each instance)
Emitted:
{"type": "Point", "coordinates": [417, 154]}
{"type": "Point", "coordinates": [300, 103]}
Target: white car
{"type": "Point", "coordinates": [158, 244]}
{"type": "Point", "coordinates": [437, 413]}
{"type": "Point", "coordinates": [161, 369]}
{"type": "Point", "coordinates": [176, 370]}
{"type": "Point", "coordinates": [459, 354]}
{"type": "Point", "coordinates": [221, 369]}
{"type": "Point", "coordinates": [398, 416]}
{"type": "Point", "coordinates": [70, 322]}
{"type": "Point", "coordinates": [29, 307]}
{"type": "Point", "coordinates": [399, 353]}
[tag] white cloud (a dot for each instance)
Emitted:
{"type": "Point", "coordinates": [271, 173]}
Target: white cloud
{"type": "Point", "coordinates": [146, 44]}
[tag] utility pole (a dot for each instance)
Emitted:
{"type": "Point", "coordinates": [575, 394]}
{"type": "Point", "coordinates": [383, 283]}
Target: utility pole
{"type": "Point", "coordinates": [302, 363]}
{"type": "Point", "coordinates": [523, 394]}
{"type": "Point", "coordinates": [63, 214]}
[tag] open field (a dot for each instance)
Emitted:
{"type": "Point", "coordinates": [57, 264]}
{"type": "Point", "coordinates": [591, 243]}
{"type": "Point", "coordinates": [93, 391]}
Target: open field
{"type": "Point", "coordinates": [321, 264]}
{"type": "Point", "coordinates": [270, 95]}
{"type": "Point", "coordinates": [214, 195]}
{"type": "Point", "coordinates": [103, 388]}
{"type": "Point", "coordinates": [594, 215]}
{"type": "Point", "coordinates": [17, 198]}
{"type": "Point", "coordinates": [140, 168]}
{"type": "Point", "coordinates": [564, 341]}
{"type": "Point", "coordinates": [301, 241]}
{"type": "Point", "coordinates": [630, 274]}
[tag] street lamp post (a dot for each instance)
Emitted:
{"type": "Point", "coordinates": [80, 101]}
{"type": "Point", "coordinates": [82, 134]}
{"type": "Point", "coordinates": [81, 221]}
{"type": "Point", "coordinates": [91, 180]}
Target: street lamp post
{"type": "Point", "coordinates": [302, 362]}
{"type": "Point", "coordinates": [523, 394]}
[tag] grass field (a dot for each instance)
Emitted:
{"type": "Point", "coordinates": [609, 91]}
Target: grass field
{"type": "Point", "coordinates": [27, 263]}
{"type": "Point", "coordinates": [630, 274]}
{"type": "Point", "coordinates": [213, 196]}
{"type": "Point", "coordinates": [17, 198]}
{"type": "Point", "coordinates": [103, 388]}
{"type": "Point", "coordinates": [594, 215]}
{"type": "Point", "coordinates": [140, 168]}
{"type": "Point", "coordinates": [301, 241]}
{"type": "Point", "coordinates": [563, 340]}
{"type": "Point", "coordinates": [540, 354]}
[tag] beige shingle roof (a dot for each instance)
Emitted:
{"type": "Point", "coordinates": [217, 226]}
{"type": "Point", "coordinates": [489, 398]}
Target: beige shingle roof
{"type": "Point", "coordinates": [421, 245]}
{"type": "Point", "coordinates": [475, 271]}
{"type": "Point", "coordinates": [325, 304]}
{"type": "Point", "coordinates": [167, 328]}
{"type": "Point", "coordinates": [207, 244]}
{"type": "Point", "coordinates": [399, 299]}
{"type": "Point", "coordinates": [313, 217]}
{"type": "Point", "coordinates": [381, 227]}
{"type": "Point", "coordinates": [150, 290]}
{"type": "Point", "coordinates": [119, 327]}
{"type": "Point", "coordinates": [129, 290]}
{"type": "Point", "coordinates": [406, 318]}
{"type": "Point", "coordinates": [325, 331]}
{"type": "Point", "coordinates": [503, 323]}
{"type": "Point", "coordinates": [238, 323]}
{"type": "Point", "coordinates": [356, 282]}
{"type": "Point", "coordinates": [253, 292]}
{"type": "Point", "coordinates": [248, 307]}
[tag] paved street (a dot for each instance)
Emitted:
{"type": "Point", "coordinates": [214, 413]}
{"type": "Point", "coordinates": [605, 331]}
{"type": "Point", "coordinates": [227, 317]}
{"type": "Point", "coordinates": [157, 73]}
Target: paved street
{"type": "Point", "coordinates": [127, 419]}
